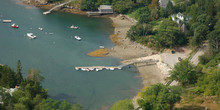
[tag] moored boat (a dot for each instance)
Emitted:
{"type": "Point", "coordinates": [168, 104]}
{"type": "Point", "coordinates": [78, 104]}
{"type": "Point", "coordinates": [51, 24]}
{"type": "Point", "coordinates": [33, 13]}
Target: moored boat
{"type": "Point", "coordinates": [31, 35]}
{"type": "Point", "coordinates": [6, 21]}
{"type": "Point", "coordinates": [40, 28]}
{"type": "Point", "coordinates": [78, 38]}
{"type": "Point", "coordinates": [14, 25]}
{"type": "Point", "coordinates": [74, 27]}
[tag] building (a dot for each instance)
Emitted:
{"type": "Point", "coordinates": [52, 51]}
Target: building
{"type": "Point", "coordinates": [163, 3]}
{"type": "Point", "coordinates": [105, 9]}
{"type": "Point", "coordinates": [180, 18]}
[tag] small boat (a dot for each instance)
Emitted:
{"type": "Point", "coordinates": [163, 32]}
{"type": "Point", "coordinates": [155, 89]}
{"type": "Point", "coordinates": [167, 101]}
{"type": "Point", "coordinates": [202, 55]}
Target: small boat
{"type": "Point", "coordinates": [6, 21]}
{"type": "Point", "coordinates": [98, 69]}
{"type": "Point", "coordinates": [112, 68]}
{"type": "Point", "coordinates": [14, 25]}
{"type": "Point", "coordinates": [40, 28]}
{"type": "Point", "coordinates": [101, 47]}
{"type": "Point", "coordinates": [78, 38]}
{"type": "Point", "coordinates": [74, 27]}
{"type": "Point", "coordinates": [45, 13]}
{"type": "Point", "coordinates": [31, 35]}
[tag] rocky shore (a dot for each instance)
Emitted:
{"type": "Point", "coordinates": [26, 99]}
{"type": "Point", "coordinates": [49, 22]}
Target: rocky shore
{"type": "Point", "coordinates": [128, 49]}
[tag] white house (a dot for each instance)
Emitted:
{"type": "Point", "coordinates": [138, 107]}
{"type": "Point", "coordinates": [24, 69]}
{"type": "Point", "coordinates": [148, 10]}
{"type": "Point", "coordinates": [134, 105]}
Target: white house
{"type": "Point", "coordinates": [180, 18]}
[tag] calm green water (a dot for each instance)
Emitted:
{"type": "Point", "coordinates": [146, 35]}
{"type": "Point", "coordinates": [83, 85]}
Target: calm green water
{"type": "Point", "coordinates": [56, 55]}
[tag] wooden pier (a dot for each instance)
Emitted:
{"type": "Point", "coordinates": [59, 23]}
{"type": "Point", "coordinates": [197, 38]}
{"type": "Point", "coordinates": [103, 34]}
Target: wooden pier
{"type": "Point", "coordinates": [60, 5]}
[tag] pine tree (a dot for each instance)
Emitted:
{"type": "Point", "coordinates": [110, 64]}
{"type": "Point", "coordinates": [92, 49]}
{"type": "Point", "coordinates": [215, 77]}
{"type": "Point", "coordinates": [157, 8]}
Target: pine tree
{"type": "Point", "coordinates": [18, 72]}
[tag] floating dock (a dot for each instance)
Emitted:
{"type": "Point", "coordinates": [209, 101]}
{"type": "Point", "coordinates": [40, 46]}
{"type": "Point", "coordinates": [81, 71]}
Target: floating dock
{"type": "Point", "coordinates": [6, 21]}
{"type": "Point", "coordinates": [97, 68]}
{"type": "Point", "coordinates": [148, 59]}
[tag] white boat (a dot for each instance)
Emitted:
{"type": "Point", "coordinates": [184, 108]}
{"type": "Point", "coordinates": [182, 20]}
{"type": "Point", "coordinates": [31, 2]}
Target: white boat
{"type": "Point", "coordinates": [31, 35]}
{"type": "Point", "coordinates": [111, 68]}
{"type": "Point", "coordinates": [74, 27]}
{"type": "Point", "coordinates": [78, 38]}
{"type": "Point", "coordinates": [6, 21]}
{"type": "Point", "coordinates": [40, 28]}
{"type": "Point", "coordinates": [101, 47]}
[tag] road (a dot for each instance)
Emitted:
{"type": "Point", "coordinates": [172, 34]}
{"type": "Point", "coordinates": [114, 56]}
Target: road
{"type": "Point", "coordinates": [195, 58]}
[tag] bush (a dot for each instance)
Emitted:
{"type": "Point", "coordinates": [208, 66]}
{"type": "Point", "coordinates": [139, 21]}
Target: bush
{"type": "Point", "coordinates": [203, 59]}
{"type": "Point", "coordinates": [123, 105]}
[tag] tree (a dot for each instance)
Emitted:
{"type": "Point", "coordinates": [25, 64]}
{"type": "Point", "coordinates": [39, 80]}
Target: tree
{"type": "Point", "coordinates": [123, 105]}
{"type": "Point", "coordinates": [18, 72]}
{"type": "Point", "coordinates": [170, 9]}
{"type": "Point", "coordinates": [214, 41]}
{"type": "Point", "coordinates": [154, 14]}
{"type": "Point", "coordinates": [169, 34]}
{"type": "Point", "coordinates": [184, 73]}
{"type": "Point", "coordinates": [159, 97]}
{"type": "Point", "coordinates": [65, 105]}
{"type": "Point", "coordinates": [19, 106]}
{"type": "Point", "coordinates": [144, 2]}
{"type": "Point", "coordinates": [200, 35]}
{"type": "Point", "coordinates": [122, 6]}
{"type": "Point", "coordinates": [49, 104]}
{"type": "Point", "coordinates": [135, 31]}
{"type": "Point", "coordinates": [142, 15]}
{"type": "Point", "coordinates": [77, 107]}
{"type": "Point", "coordinates": [154, 5]}
{"type": "Point", "coordinates": [34, 75]}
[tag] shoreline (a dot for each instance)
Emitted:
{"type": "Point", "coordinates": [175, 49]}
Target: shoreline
{"type": "Point", "coordinates": [127, 49]}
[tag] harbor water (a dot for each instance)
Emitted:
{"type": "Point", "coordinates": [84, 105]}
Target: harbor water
{"type": "Point", "coordinates": [56, 53]}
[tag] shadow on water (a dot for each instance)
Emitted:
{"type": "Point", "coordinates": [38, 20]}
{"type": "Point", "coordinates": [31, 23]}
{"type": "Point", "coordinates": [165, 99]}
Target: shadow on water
{"type": "Point", "coordinates": [63, 96]}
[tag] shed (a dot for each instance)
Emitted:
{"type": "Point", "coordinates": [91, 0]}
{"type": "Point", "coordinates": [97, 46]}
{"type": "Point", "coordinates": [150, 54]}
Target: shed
{"type": "Point", "coordinates": [105, 9]}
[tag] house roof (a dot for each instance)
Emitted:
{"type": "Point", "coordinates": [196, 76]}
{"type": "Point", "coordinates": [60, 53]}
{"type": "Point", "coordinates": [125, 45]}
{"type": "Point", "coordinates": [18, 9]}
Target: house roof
{"type": "Point", "coordinates": [105, 7]}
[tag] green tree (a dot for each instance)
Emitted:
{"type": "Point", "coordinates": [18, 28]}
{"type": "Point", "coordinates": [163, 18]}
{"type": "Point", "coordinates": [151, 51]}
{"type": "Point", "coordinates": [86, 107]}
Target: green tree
{"type": "Point", "coordinates": [123, 105]}
{"type": "Point", "coordinates": [76, 107]}
{"type": "Point", "coordinates": [142, 15]}
{"type": "Point", "coordinates": [154, 5]}
{"type": "Point", "coordinates": [159, 97]}
{"type": "Point", "coordinates": [65, 106]}
{"type": "Point", "coordinates": [170, 8]}
{"type": "Point", "coordinates": [122, 6]}
{"type": "Point", "coordinates": [200, 35]}
{"type": "Point", "coordinates": [19, 106]}
{"type": "Point", "coordinates": [169, 34]}
{"type": "Point", "coordinates": [143, 2]}
{"type": "Point", "coordinates": [18, 72]}
{"type": "Point", "coordinates": [49, 104]}
{"type": "Point", "coordinates": [214, 41]}
{"type": "Point", "coordinates": [34, 75]}
{"type": "Point", "coordinates": [184, 73]}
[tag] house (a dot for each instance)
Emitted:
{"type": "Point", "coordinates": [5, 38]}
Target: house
{"type": "Point", "coordinates": [163, 3]}
{"type": "Point", "coordinates": [180, 18]}
{"type": "Point", "coordinates": [105, 9]}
